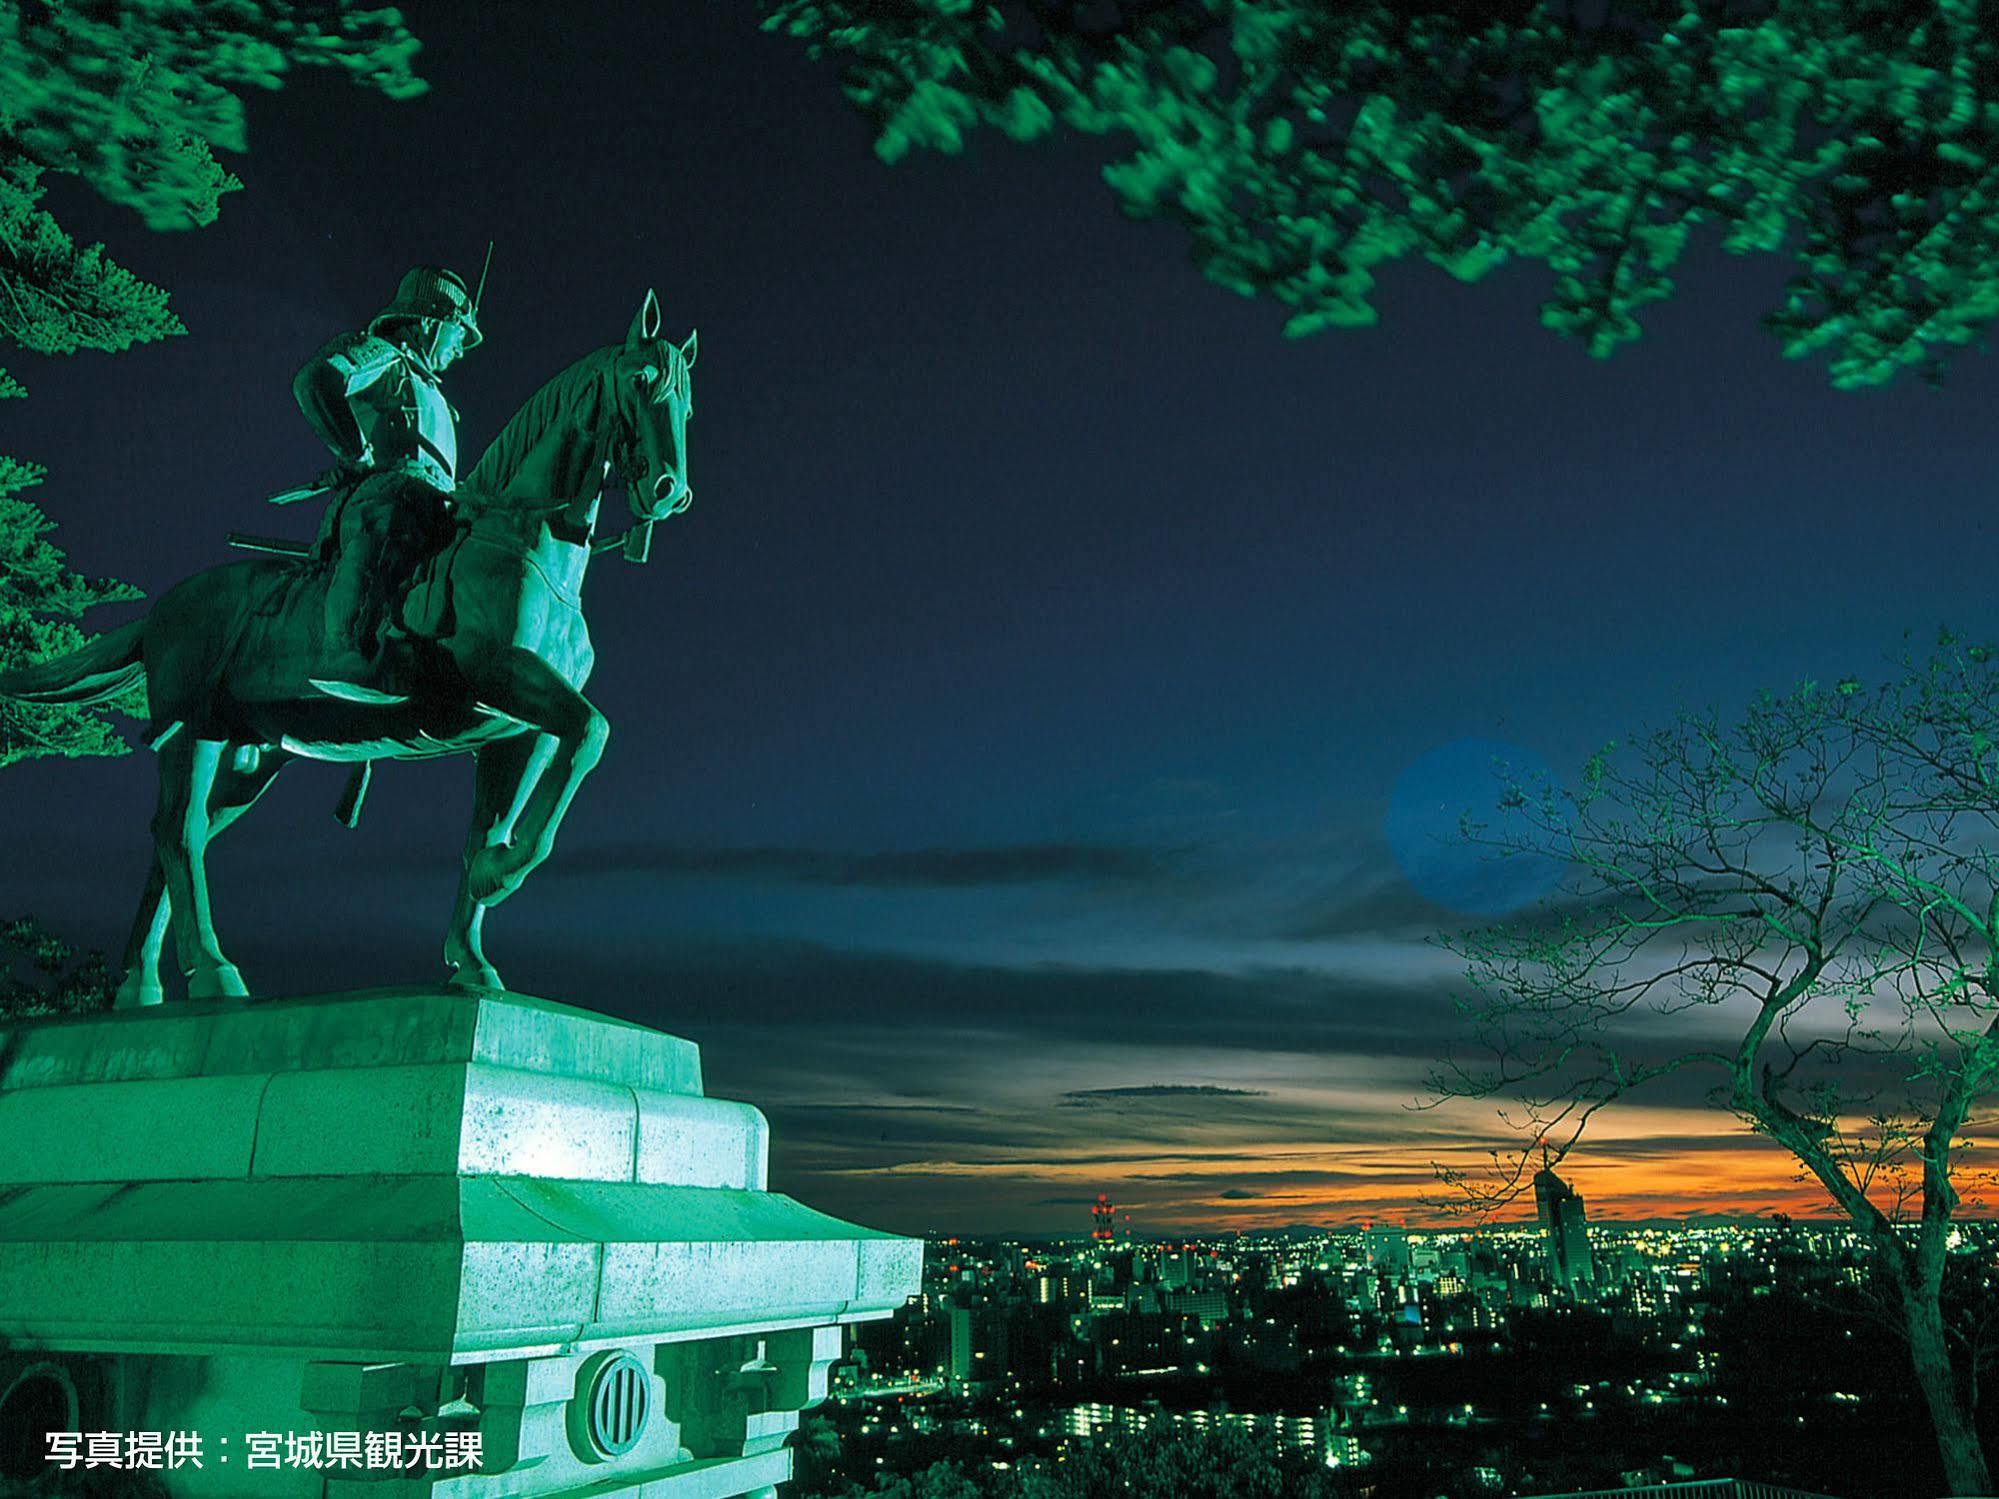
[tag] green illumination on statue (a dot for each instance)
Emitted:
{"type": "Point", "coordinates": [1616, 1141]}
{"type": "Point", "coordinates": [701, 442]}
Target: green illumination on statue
{"type": "Point", "coordinates": [479, 646]}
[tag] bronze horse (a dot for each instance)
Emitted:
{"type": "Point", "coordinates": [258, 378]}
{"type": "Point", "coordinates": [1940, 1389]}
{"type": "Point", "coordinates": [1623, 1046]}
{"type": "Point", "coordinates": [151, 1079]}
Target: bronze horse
{"type": "Point", "coordinates": [500, 655]}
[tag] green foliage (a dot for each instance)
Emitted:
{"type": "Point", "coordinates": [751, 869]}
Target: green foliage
{"type": "Point", "coordinates": [1305, 143]}
{"type": "Point", "coordinates": [938, 1481]}
{"type": "Point", "coordinates": [54, 299]}
{"type": "Point", "coordinates": [40, 598]}
{"type": "Point", "coordinates": [41, 975]}
{"type": "Point", "coordinates": [57, 299]}
{"type": "Point", "coordinates": [1218, 1463]}
{"type": "Point", "coordinates": [133, 100]}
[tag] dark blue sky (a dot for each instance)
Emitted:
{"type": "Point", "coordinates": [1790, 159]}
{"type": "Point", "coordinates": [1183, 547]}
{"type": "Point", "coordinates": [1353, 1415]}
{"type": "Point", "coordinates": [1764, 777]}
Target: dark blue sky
{"type": "Point", "coordinates": [1003, 743]}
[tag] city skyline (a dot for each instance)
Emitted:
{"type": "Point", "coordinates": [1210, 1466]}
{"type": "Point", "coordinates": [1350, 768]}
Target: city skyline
{"type": "Point", "coordinates": [1412, 1362]}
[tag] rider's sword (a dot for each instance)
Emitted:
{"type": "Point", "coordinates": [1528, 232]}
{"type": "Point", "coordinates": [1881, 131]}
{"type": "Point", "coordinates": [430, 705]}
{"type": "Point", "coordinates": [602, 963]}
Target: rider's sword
{"type": "Point", "coordinates": [275, 546]}
{"type": "Point", "coordinates": [292, 496]}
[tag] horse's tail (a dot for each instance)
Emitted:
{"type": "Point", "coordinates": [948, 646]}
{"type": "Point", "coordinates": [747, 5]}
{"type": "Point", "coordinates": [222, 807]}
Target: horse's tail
{"type": "Point", "coordinates": [108, 667]}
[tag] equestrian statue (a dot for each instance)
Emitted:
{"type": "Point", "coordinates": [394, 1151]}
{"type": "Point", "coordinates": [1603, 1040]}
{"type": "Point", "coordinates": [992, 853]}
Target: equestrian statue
{"type": "Point", "coordinates": [436, 614]}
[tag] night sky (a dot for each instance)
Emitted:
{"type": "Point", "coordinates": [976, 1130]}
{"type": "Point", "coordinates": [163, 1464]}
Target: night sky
{"type": "Point", "coordinates": [1027, 751]}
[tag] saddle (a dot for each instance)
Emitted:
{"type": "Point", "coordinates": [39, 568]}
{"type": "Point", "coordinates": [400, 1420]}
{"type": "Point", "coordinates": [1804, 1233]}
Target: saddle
{"type": "Point", "coordinates": [411, 618]}
{"type": "Point", "coordinates": [379, 537]}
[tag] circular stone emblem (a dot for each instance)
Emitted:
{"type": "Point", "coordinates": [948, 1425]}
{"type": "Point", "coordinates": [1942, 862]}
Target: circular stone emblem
{"type": "Point", "coordinates": [615, 1397]}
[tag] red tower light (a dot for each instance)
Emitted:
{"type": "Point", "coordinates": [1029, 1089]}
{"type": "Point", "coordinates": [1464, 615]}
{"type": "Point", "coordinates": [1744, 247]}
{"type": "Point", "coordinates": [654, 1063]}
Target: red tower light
{"type": "Point", "coordinates": [1103, 1218]}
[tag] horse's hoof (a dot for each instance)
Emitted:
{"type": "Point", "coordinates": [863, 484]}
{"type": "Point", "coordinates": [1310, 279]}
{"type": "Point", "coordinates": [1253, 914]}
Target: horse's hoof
{"type": "Point", "coordinates": [494, 875]}
{"type": "Point", "coordinates": [223, 981]}
{"type": "Point", "coordinates": [137, 990]}
{"type": "Point", "coordinates": [474, 976]}
{"type": "Point", "coordinates": [483, 874]}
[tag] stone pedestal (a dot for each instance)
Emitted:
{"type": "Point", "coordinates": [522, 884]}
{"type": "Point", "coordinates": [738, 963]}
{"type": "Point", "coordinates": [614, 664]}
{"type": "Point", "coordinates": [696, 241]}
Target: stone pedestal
{"type": "Point", "coordinates": [420, 1213]}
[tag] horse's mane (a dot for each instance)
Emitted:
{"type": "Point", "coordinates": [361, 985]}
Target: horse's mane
{"type": "Point", "coordinates": [504, 455]}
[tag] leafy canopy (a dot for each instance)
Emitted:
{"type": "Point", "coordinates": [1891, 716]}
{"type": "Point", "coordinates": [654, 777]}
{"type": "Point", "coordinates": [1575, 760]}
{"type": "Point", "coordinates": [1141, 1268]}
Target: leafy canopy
{"type": "Point", "coordinates": [132, 99]}
{"type": "Point", "coordinates": [40, 601]}
{"type": "Point", "coordinates": [1303, 144]}
{"type": "Point", "coordinates": [42, 975]}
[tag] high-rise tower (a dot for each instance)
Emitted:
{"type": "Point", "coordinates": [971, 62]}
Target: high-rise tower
{"type": "Point", "coordinates": [1561, 1211]}
{"type": "Point", "coordinates": [1103, 1218]}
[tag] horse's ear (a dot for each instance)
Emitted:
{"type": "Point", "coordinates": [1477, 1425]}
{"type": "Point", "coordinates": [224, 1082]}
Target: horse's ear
{"type": "Point", "coordinates": [645, 327]}
{"type": "Point", "coordinates": [687, 349]}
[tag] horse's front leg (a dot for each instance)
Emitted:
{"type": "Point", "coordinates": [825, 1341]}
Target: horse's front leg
{"type": "Point", "coordinates": [504, 773]}
{"type": "Point", "coordinates": [182, 827]}
{"type": "Point", "coordinates": [523, 686]}
{"type": "Point", "coordinates": [238, 783]}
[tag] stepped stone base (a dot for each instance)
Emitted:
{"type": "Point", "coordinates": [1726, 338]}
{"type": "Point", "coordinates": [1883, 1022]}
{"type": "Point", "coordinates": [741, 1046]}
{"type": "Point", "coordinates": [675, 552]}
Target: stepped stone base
{"type": "Point", "coordinates": [423, 1213]}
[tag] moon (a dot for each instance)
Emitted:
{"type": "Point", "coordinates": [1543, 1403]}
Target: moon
{"type": "Point", "coordinates": [1424, 827]}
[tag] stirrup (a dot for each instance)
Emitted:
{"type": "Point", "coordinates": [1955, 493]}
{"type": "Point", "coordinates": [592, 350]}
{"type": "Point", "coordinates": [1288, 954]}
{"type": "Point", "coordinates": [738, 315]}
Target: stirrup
{"type": "Point", "coordinates": [354, 692]}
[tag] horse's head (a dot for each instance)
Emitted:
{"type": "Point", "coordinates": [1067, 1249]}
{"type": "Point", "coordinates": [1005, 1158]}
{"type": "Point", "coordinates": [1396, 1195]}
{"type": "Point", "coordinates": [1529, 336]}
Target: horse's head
{"type": "Point", "coordinates": [654, 381]}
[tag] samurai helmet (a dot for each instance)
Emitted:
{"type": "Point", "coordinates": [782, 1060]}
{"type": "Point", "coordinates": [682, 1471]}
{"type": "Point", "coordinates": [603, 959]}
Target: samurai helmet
{"type": "Point", "coordinates": [431, 292]}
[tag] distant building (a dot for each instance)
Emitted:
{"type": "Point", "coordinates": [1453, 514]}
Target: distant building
{"type": "Point", "coordinates": [1707, 1488]}
{"type": "Point", "coordinates": [1295, 1433]}
{"type": "Point", "coordinates": [1103, 1220]}
{"type": "Point", "coordinates": [979, 1345]}
{"type": "Point", "coordinates": [1353, 1398]}
{"type": "Point", "coordinates": [1561, 1211]}
{"type": "Point", "coordinates": [1343, 1450]}
{"type": "Point", "coordinates": [1387, 1248]}
{"type": "Point", "coordinates": [1211, 1308]}
{"type": "Point", "coordinates": [962, 1350]}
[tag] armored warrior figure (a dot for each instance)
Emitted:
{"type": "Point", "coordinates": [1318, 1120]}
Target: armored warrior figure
{"type": "Point", "coordinates": [374, 398]}
{"type": "Point", "coordinates": [233, 660]}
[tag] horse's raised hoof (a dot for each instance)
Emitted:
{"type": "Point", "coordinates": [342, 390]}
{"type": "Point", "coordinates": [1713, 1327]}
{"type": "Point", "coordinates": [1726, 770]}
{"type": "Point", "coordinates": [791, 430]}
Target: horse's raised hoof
{"type": "Point", "coordinates": [138, 989]}
{"type": "Point", "coordinates": [223, 981]}
{"type": "Point", "coordinates": [495, 874]}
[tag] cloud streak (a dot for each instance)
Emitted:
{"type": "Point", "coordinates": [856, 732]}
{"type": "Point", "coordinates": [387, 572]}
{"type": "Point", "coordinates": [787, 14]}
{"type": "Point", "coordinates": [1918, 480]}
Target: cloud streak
{"type": "Point", "coordinates": [1162, 1090]}
{"type": "Point", "coordinates": [1248, 1067]}
{"type": "Point", "coordinates": [925, 868]}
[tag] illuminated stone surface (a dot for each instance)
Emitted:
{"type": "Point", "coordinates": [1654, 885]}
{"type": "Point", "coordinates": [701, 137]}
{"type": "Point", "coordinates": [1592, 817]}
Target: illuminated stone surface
{"type": "Point", "coordinates": [320, 1214]}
